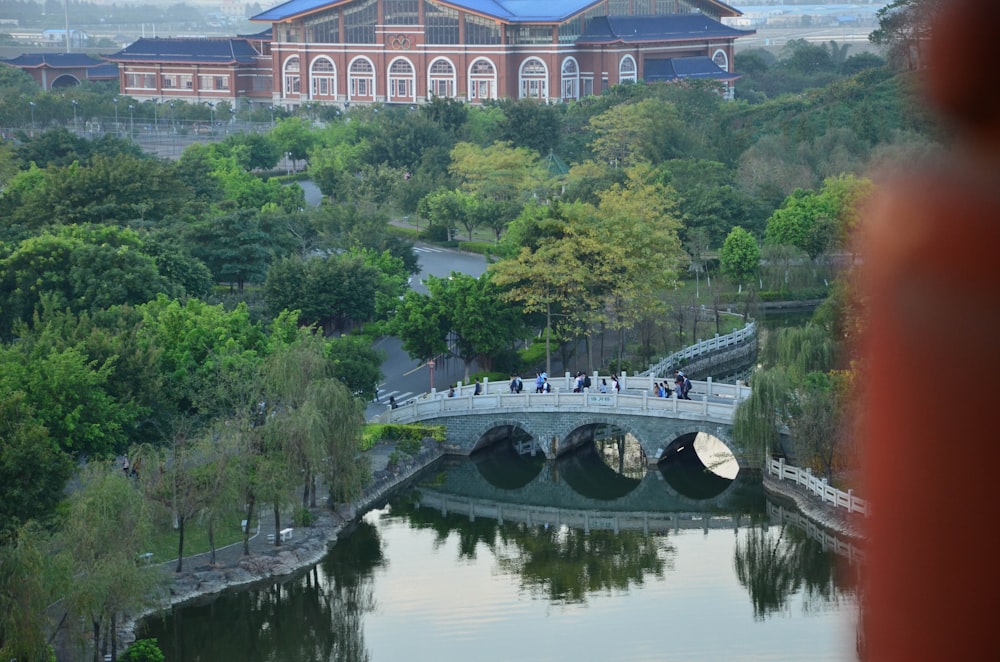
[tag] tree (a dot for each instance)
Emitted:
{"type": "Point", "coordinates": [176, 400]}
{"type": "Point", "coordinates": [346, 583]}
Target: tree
{"type": "Point", "coordinates": [740, 256]}
{"type": "Point", "coordinates": [555, 277]}
{"type": "Point", "coordinates": [236, 247]}
{"type": "Point", "coordinates": [200, 347]}
{"type": "Point", "coordinates": [448, 209]}
{"type": "Point", "coordinates": [805, 220]}
{"type": "Point", "coordinates": [26, 591]}
{"type": "Point", "coordinates": [650, 130]}
{"type": "Point", "coordinates": [333, 292]}
{"type": "Point", "coordinates": [294, 138]}
{"type": "Point", "coordinates": [528, 123]}
{"type": "Point", "coordinates": [479, 323]}
{"type": "Point", "coordinates": [106, 528]}
{"type": "Point", "coordinates": [904, 30]}
{"type": "Point", "coordinates": [82, 268]}
{"type": "Point", "coordinates": [66, 392]}
{"type": "Point", "coordinates": [33, 471]}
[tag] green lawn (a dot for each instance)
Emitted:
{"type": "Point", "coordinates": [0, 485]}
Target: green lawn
{"type": "Point", "coordinates": [163, 544]}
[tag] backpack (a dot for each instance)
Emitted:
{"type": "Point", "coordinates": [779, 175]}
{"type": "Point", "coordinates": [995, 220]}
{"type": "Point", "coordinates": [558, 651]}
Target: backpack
{"type": "Point", "coordinates": [586, 381]}
{"type": "Point", "coordinates": [687, 385]}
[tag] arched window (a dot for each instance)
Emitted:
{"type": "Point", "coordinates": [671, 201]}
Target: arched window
{"type": "Point", "coordinates": [627, 70]}
{"type": "Point", "coordinates": [482, 80]}
{"type": "Point", "coordinates": [323, 74]}
{"type": "Point", "coordinates": [533, 79]}
{"type": "Point", "coordinates": [570, 80]}
{"type": "Point", "coordinates": [361, 77]}
{"type": "Point", "coordinates": [292, 79]}
{"type": "Point", "coordinates": [402, 80]}
{"type": "Point", "coordinates": [721, 60]}
{"type": "Point", "coordinates": [441, 78]}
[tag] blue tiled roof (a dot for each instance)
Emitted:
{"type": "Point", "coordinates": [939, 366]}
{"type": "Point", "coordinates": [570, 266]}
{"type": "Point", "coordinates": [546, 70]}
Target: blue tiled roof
{"type": "Point", "coordinates": [53, 60]}
{"type": "Point", "coordinates": [657, 70]}
{"type": "Point", "coordinates": [211, 51]}
{"type": "Point", "coordinates": [512, 11]}
{"type": "Point", "coordinates": [633, 29]}
{"type": "Point", "coordinates": [103, 71]}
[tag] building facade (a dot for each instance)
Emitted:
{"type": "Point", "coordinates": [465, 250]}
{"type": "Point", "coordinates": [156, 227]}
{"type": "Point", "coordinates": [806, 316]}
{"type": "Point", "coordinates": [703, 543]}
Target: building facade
{"type": "Point", "coordinates": [197, 70]}
{"type": "Point", "coordinates": [53, 71]}
{"type": "Point", "coordinates": [406, 51]}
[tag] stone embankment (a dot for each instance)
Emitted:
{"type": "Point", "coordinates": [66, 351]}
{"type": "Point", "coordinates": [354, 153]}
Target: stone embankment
{"type": "Point", "coordinates": [836, 520]}
{"type": "Point", "coordinates": [307, 547]}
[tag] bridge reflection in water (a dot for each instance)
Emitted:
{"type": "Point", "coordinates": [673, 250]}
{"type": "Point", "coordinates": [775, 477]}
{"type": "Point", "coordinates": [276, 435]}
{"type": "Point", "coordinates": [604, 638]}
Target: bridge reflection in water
{"type": "Point", "coordinates": [604, 484]}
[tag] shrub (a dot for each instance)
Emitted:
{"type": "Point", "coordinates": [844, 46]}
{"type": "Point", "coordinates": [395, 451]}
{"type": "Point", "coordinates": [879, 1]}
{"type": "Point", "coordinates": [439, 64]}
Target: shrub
{"type": "Point", "coordinates": [143, 650]}
{"type": "Point", "coordinates": [376, 432]}
{"type": "Point", "coordinates": [302, 517]}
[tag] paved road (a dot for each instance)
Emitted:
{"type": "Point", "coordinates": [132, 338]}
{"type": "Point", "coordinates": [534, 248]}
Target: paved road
{"type": "Point", "coordinates": [405, 378]}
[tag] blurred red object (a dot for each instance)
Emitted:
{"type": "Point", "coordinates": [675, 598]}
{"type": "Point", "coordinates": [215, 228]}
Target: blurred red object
{"type": "Point", "coordinates": [931, 431]}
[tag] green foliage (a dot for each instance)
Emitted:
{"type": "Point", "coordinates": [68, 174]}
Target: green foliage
{"type": "Point", "coordinates": [739, 257]}
{"type": "Point", "coordinates": [32, 469]}
{"type": "Point", "coordinates": [412, 434]}
{"type": "Point", "coordinates": [143, 650]}
{"type": "Point", "coordinates": [333, 292]}
{"type": "Point", "coordinates": [302, 517]}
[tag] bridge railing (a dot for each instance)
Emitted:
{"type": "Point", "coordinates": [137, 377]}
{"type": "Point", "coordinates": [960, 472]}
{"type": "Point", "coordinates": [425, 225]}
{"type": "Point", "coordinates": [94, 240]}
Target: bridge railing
{"type": "Point", "coordinates": [667, 364]}
{"type": "Point", "coordinates": [817, 486]}
{"type": "Point", "coordinates": [709, 401]}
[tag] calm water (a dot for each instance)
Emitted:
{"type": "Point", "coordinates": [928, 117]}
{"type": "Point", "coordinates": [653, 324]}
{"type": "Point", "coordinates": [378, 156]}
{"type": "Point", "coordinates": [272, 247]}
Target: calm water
{"type": "Point", "coordinates": [430, 577]}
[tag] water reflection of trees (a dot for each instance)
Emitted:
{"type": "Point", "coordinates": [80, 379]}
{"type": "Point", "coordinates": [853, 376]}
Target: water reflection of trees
{"type": "Point", "coordinates": [317, 616]}
{"type": "Point", "coordinates": [563, 563]}
{"type": "Point", "coordinates": [775, 563]}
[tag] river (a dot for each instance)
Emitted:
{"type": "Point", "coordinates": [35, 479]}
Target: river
{"type": "Point", "coordinates": [724, 578]}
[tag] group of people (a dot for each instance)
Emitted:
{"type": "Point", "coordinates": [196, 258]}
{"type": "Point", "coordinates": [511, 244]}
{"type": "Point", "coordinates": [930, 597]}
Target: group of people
{"type": "Point", "coordinates": [542, 382]}
{"type": "Point", "coordinates": [131, 470]}
{"type": "Point", "coordinates": [682, 387]}
{"type": "Point", "coordinates": [582, 381]}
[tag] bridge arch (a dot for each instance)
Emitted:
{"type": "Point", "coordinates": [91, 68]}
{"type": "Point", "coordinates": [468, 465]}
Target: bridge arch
{"type": "Point", "coordinates": [565, 444]}
{"type": "Point", "coordinates": [483, 432]}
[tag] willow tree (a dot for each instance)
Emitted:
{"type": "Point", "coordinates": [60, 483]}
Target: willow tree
{"type": "Point", "coordinates": [26, 591]}
{"type": "Point", "coordinates": [107, 526]}
{"type": "Point", "coordinates": [314, 424]}
{"type": "Point", "coordinates": [788, 392]}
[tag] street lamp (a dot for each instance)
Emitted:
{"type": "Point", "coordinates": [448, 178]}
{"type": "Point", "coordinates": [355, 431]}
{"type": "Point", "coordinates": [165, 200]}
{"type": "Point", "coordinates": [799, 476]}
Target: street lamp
{"type": "Point", "coordinates": [131, 121]}
{"type": "Point", "coordinates": [272, 115]}
{"type": "Point", "coordinates": [172, 127]}
{"type": "Point", "coordinates": [211, 108]}
{"type": "Point", "coordinates": [430, 364]}
{"type": "Point", "coordinates": [32, 105]}
{"type": "Point", "coordinates": [74, 114]}
{"type": "Point", "coordinates": [115, 101]}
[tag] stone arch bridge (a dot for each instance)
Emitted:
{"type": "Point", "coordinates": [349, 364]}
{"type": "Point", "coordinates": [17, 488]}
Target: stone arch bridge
{"type": "Point", "coordinates": [560, 421]}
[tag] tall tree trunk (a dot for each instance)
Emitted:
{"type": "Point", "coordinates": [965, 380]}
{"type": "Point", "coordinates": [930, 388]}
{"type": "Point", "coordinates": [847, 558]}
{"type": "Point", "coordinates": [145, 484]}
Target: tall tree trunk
{"type": "Point", "coordinates": [548, 334]}
{"type": "Point", "coordinates": [312, 490]}
{"type": "Point", "coordinates": [180, 543]}
{"type": "Point", "coordinates": [246, 530]}
{"type": "Point", "coordinates": [211, 539]}
{"type": "Point", "coordinates": [113, 635]}
{"type": "Point", "coordinates": [97, 639]}
{"type": "Point", "coordinates": [277, 525]}
{"type": "Point", "coordinates": [305, 488]}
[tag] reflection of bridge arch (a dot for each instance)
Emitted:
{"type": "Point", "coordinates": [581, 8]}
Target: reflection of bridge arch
{"type": "Point", "coordinates": [586, 520]}
{"type": "Point", "coordinates": [550, 488]}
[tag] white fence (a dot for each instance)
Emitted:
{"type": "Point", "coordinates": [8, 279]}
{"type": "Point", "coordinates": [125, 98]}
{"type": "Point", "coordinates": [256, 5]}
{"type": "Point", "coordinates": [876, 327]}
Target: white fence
{"type": "Point", "coordinates": [667, 365]}
{"type": "Point", "coordinates": [709, 400]}
{"type": "Point", "coordinates": [817, 486]}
